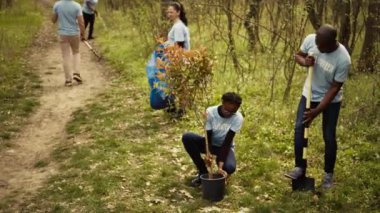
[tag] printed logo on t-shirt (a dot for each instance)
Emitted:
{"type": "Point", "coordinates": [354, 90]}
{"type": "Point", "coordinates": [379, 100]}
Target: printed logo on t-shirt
{"type": "Point", "coordinates": [326, 66]}
{"type": "Point", "coordinates": [222, 126]}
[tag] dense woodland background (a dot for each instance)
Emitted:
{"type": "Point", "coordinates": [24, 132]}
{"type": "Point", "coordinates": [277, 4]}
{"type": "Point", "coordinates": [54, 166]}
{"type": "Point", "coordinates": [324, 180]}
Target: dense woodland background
{"type": "Point", "coordinates": [134, 161]}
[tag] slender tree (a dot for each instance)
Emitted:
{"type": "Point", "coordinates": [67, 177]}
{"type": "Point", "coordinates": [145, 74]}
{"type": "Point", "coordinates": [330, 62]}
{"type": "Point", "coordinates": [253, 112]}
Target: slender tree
{"type": "Point", "coordinates": [370, 54]}
{"type": "Point", "coordinates": [5, 4]}
{"type": "Point", "coordinates": [314, 9]}
{"type": "Point", "coordinates": [251, 23]}
{"type": "Point", "coordinates": [356, 8]}
{"type": "Point", "coordinates": [231, 40]}
{"type": "Point", "coordinates": [345, 23]}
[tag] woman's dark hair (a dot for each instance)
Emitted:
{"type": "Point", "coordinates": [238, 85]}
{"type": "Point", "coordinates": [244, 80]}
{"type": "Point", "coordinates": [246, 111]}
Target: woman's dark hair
{"type": "Point", "coordinates": [231, 97]}
{"type": "Point", "coordinates": [179, 8]}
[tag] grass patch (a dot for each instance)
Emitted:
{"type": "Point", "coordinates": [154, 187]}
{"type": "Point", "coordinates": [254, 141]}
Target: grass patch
{"type": "Point", "coordinates": [41, 164]}
{"type": "Point", "coordinates": [18, 81]}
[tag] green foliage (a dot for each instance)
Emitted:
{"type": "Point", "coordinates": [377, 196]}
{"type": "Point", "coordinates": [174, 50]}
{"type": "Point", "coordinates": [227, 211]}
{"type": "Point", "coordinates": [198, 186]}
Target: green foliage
{"type": "Point", "coordinates": [18, 82]}
{"type": "Point", "coordinates": [188, 74]}
{"type": "Point", "coordinates": [41, 164]}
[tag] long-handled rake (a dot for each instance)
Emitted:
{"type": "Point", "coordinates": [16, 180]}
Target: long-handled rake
{"type": "Point", "coordinates": [306, 183]}
{"type": "Point", "coordinates": [92, 50]}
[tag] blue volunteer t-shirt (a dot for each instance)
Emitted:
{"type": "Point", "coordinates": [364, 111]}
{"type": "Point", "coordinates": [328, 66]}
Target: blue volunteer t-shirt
{"type": "Point", "coordinates": [67, 11]}
{"type": "Point", "coordinates": [86, 9]}
{"type": "Point", "coordinates": [180, 33]}
{"type": "Point", "coordinates": [220, 126]}
{"type": "Point", "coordinates": [327, 68]}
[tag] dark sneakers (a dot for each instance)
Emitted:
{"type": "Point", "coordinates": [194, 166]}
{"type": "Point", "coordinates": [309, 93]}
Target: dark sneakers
{"type": "Point", "coordinates": [77, 78]}
{"type": "Point", "coordinates": [327, 181]}
{"type": "Point", "coordinates": [295, 173]}
{"type": "Point", "coordinates": [196, 182]}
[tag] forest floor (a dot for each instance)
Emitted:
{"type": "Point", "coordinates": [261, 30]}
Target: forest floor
{"type": "Point", "coordinates": [26, 164]}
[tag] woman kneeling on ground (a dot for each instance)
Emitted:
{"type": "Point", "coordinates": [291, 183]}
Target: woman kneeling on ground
{"type": "Point", "coordinates": [222, 123]}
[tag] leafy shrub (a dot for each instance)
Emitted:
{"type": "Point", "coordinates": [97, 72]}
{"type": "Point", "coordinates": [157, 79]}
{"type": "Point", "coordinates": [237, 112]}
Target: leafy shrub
{"type": "Point", "coordinates": [188, 74]}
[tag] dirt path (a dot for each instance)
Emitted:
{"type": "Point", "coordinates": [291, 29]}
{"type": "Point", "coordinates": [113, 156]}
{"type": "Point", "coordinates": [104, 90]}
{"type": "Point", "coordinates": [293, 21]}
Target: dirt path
{"type": "Point", "coordinates": [46, 127]}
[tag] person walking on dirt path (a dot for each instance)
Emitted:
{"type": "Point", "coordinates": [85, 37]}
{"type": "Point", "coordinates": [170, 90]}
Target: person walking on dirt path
{"type": "Point", "coordinates": [89, 13]}
{"type": "Point", "coordinates": [222, 123]}
{"type": "Point", "coordinates": [331, 63]}
{"type": "Point", "coordinates": [68, 13]}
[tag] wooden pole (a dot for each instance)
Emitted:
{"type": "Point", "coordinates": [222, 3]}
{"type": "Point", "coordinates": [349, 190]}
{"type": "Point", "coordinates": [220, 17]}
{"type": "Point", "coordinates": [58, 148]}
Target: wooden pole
{"type": "Point", "coordinates": [208, 154]}
{"type": "Point", "coordinates": [308, 103]}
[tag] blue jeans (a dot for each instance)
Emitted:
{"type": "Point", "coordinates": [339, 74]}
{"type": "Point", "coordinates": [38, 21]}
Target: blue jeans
{"type": "Point", "coordinates": [329, 122]}
{"type": "Point", "coordinates": [195, 145]}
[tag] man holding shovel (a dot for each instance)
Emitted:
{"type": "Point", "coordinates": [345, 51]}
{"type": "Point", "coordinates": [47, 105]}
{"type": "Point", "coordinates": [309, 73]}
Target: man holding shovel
{"type": "Point", "coordinates": [222, 123]}
{"type": "Point", "coordinates": [68, 13]}
{"type": "Point", "coordinates": [331, 63]}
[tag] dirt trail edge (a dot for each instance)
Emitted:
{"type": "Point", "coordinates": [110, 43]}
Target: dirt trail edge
{"type": "Point", "coordinates": [19, 174]}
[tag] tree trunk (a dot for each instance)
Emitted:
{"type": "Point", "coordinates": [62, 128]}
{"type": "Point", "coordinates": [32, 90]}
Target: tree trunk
{"type": "Point", "coordinates": [356, 6]}
{"type": "Point", "coordinates": [345, 24]}
{"type": "Point", "coordinates": [369, 57]}
{"type": "Point", "coordinates": [5, 4]}
{"type": "Point", "coordinates": [251, 23]}
{"type": "Point", "coordinates": [313, 15]}
{"type": "Point", "coordinates": [231, 40]}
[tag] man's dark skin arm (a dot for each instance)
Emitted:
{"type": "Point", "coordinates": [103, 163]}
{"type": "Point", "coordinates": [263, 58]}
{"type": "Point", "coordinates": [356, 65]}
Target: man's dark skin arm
{"type": "Point", "coordinates": [304, 60]}
{"type": "Point", "coordinates": [225, 149]}
{"type": "Point", "coordinates": [329, 96]}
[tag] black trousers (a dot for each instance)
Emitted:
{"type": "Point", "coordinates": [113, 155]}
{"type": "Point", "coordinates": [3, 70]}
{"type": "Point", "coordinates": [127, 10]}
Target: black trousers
{"type": "Point", "coordinates": [329, 123]}
{"type": "Point", "coordinates": [195, 145]}
{"type": "Point", "coordinates": [89, 19]}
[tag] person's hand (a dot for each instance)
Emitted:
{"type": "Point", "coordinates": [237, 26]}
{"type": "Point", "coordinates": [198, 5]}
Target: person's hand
{"type": "Point", "coordinates": [96, 12]}
{"type": "Point", "coordinates": [82, 38]}
{"type": "Point", "coordinates": [309, 61]}
{"type": "Point", "coordinates": [309, 116]}
{"type": "Point", "coordinates": [222, 172]}
{"type": "Point", "coordinates": [208, 160]}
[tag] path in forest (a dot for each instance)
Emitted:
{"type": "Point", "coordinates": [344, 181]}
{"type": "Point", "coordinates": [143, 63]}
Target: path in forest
{"type": "Point", "coordinates": [45, 129]}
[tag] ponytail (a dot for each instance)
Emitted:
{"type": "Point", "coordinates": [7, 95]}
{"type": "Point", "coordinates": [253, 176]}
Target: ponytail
{"type": "Point", "coordinates": [179, 8]}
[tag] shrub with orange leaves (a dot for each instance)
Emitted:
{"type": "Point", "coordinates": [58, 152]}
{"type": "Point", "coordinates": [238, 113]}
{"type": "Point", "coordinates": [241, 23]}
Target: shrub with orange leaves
{"type": "Point", "coordinates": [188, 74]}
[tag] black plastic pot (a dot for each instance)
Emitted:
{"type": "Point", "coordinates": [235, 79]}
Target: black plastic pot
{"type": "Point", "coordinates": [213, 189]}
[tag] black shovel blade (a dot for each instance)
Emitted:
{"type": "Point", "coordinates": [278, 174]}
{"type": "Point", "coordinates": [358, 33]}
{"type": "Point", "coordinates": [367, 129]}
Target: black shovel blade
{"type": "Point", "coordinates": [303, 184]}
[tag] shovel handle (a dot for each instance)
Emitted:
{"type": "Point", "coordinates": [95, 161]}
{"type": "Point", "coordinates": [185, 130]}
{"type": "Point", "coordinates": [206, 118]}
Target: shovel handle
{"type": "Point", "coordinates": [308, 103]}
